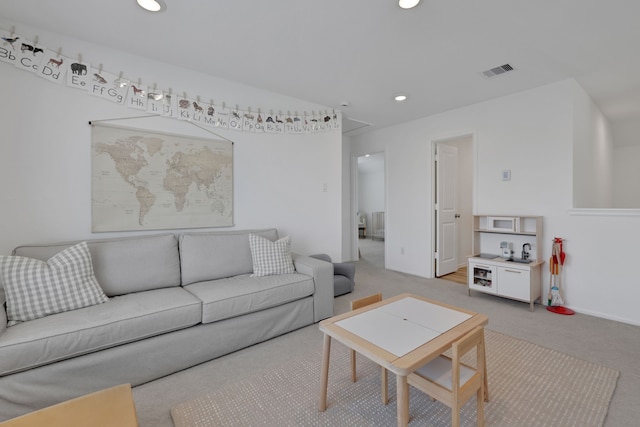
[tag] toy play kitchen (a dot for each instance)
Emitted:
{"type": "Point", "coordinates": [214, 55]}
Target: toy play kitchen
{"type": "Point", "coordinates": [507, 257]}
{"type": "Point", "coordinates": [507, 250]}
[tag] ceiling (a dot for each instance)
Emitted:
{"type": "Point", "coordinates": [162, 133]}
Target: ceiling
{"type": "Point", "coordinates": [363, 52]}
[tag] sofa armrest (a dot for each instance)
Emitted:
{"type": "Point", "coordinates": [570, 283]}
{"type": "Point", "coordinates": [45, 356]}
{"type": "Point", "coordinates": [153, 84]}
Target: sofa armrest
{"type": "Point", "coordinates": [322, 273]}
{"type": "Point", "coordinates": [345, 269]}
{"type": "Point", "coordinates": [3, 312]}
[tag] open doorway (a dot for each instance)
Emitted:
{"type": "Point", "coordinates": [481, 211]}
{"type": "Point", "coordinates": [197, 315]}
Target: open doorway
{"type": "Point", "coordinates": [453, 206]}
{"type": "Point", "coordinates": [370, 214]}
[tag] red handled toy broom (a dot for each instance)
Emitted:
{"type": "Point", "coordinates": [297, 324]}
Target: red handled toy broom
{"type": "Point", "coordinates": [556, 262]}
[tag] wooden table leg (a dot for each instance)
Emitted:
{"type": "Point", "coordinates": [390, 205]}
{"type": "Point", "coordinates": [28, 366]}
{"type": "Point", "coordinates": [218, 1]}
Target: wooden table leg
{"type": "Point", "coordinates": [484, 362]}
{"type": "Point", "coordinates": [324, 380]}
{"type": "Point", "coordinates": [403, 400]}
{"type": "Point", "coordinates": [384, 384]}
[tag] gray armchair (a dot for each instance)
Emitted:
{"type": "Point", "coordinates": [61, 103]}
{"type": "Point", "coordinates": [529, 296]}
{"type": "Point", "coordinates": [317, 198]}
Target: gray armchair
{"type": "Point", "coordinates": [343, 275]}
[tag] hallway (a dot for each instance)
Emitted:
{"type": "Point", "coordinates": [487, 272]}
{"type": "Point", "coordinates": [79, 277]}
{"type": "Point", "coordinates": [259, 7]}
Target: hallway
{"type": "Point", "coordinates": [371, 251]}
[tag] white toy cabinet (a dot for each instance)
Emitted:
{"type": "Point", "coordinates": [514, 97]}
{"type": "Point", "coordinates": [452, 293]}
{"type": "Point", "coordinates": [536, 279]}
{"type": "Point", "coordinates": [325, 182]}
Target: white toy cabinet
{"type": "Point", "coordinates": [518, 277]}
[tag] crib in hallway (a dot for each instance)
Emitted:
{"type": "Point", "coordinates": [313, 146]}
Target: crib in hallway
{"type": "Point", "coordinates": [377, 225]}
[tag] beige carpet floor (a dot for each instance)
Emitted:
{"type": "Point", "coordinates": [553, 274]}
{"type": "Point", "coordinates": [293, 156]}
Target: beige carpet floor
{"type": "Point", "coordinates": [529, 385]}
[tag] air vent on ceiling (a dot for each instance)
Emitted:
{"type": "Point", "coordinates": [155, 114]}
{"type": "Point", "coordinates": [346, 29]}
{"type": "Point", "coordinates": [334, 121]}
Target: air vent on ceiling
{"type": "Point", "coordinates": [498, 70]}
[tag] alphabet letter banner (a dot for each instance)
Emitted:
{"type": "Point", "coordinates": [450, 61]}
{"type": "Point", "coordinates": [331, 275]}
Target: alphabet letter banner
{"type": "Point", "coordinates": [155, 101]}
{"type": "Point", "coordinates": [30, 57]}
{"type": "Point", "coordinates": [53, 66]}
{"type": "Point", "coordinates": [137, 97]}
{"type": "Point", "coordinates": [8, 47]}
{"type": "Point", "coordinates": [77, 75]}
{"type": "Point", "coordinates": [170, 105]}
{"type": "Point", "coordinates": [108, 86]}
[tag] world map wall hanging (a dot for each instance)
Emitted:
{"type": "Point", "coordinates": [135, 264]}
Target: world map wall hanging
{"type": "Point", "coordinates": [31, 56]}
{"type": "Point", "coordinates": [146, 180]}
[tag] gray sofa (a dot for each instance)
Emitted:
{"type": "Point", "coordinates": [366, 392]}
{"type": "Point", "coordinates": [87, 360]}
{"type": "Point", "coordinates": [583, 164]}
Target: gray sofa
{"type": "Point", "coordinates": [344, 275]}
{"type": "Point", "coordinates": [174, 302]}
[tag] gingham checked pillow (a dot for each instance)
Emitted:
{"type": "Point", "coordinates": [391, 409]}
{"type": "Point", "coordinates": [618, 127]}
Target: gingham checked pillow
{"type": "Point", "coordinates": [35, 288]}
{"type": "Point", "coordinates": [270, 258]}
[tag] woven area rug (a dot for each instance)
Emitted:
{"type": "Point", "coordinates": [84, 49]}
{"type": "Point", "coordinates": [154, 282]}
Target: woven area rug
{"type": "Point", "coordinates": [529, 385]}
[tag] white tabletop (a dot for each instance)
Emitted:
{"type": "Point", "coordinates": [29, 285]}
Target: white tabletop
{"type": "Point", "coordinates": [403, 325]}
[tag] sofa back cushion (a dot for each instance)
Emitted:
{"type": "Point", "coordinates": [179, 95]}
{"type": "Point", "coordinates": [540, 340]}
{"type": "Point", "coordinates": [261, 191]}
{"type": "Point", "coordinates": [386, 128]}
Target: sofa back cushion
{"type": "Point", "coordinates": [125, 265]}
{"type": "Point", "coordinates": [210, 256]}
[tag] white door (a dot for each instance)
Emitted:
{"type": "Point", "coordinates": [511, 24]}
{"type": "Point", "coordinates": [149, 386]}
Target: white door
{"type": "Point", "coordinates": [446, 209]}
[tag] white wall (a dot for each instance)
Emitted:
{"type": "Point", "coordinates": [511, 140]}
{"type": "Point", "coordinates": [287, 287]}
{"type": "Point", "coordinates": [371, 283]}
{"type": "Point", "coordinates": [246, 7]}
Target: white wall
{"type": "Point", "coordinates": [606, 158]}
{"type": "Point", "coordinates": [532, 134]}
{"type": "Point", "coordinates": [626, 132]}
{"type": "Point", "coordinates": [592, 155]}
{"type": "Point", "coordinates": [626, 157]}
{"type": "Point", "coordinates": [371, 192]}
{"type": "Point", "coordinates": [626, 177]}
{"type": "Point", "coordinates": [45, 163]}
{"type": "Point", "coordinates": [349, 229]}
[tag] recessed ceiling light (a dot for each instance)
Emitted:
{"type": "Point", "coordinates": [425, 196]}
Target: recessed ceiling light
{"type": "Point", "coordinates": [408, 4]}
{"type": "Point", "coordinates": [400, 98]}
{"type": "Point", "coordinates": [152, 5]}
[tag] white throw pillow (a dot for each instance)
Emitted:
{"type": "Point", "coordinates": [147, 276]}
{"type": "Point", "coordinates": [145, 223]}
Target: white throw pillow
{"type": "Point", "coordinates": [34, 288]}
{"type": "Point", "coordinates": [270, 258]}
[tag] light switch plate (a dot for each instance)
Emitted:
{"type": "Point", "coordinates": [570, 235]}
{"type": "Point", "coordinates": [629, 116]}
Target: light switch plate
{"type": "Point", "coordinates": [506, 175]}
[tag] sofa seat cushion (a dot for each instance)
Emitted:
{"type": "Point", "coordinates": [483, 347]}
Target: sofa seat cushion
{"type": "Point", "coordinates": [121, 320]}
{"type": "Point", "coordinates": [235, 296]}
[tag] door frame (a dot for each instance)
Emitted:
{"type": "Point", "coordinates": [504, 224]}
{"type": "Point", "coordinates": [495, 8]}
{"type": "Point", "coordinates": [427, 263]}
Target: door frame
{"type": "Point", "coordinates": [354, 201]}
{"type": "Point", "coordinates": [353, 223]}
{"type": "Point", "coordinates": [446, 165]}
{"type": "Point", "coordinates": [434, 141]}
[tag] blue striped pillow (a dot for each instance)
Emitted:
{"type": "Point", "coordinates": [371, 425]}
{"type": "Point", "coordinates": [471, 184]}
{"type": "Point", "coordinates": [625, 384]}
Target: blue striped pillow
{"type": "Point", "coordinates": [35, 288]}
